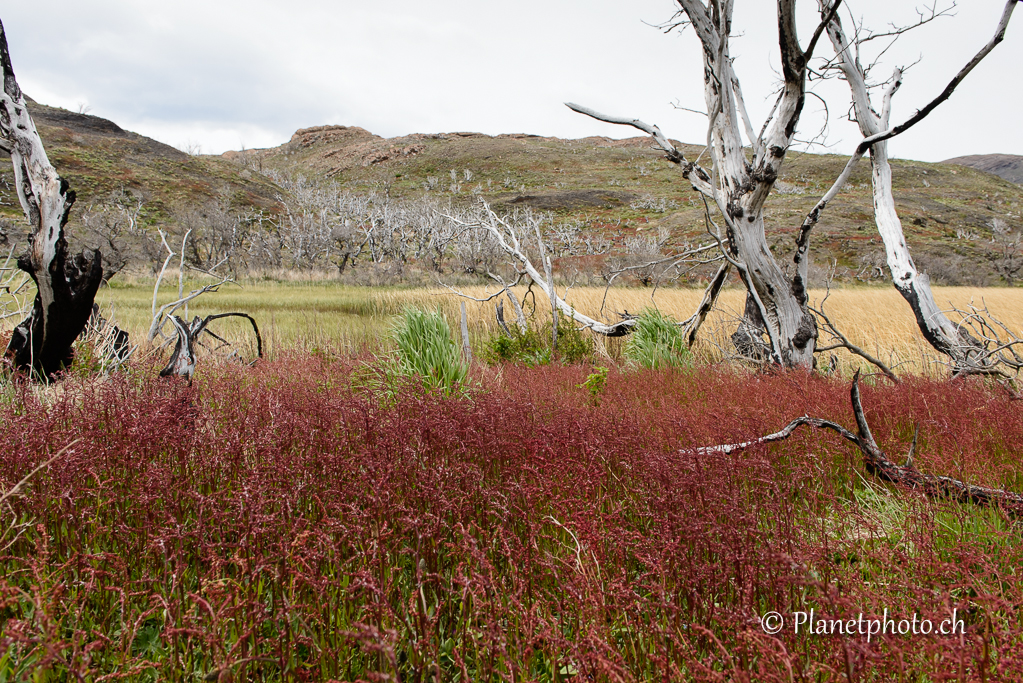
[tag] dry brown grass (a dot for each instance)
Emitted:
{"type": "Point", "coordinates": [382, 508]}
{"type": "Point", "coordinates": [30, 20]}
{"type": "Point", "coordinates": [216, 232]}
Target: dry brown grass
{"type": "Point", "coordinates": [876, 319]}
{"type": "Point", "coordinates": [345, 319]}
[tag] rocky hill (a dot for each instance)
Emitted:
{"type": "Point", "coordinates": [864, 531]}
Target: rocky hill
{"type": "Point", "coordinates": [951, 213]}
{"type": "Point", "coordinates": [101, 160]}
{"type": "Point", "coordinates": [959, 220]}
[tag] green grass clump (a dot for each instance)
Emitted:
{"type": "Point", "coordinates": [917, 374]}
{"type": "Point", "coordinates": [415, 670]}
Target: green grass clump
{"type": "Point", "coordinates": [657, 341]}
{"type": "Point", "coordinates": [425, 350]}
{"type": "Point", "coordinates": [532, 347]}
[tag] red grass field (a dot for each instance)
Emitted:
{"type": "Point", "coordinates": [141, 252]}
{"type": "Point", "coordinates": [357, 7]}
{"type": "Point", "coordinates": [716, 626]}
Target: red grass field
{"type": "Point", "coordinates": [306, 520]}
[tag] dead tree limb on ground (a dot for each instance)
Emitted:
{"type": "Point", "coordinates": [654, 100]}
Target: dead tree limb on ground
{"type": "Point", "coordinates": [878, 464]}
{"type": "Point", "coordinates": [111, 345]}
{"type": "Point", "coordinates": [66, 285]}
{"type": "Point", "coordinates": [506, 234]}
{"type": "Point", "coordinates": [995, 348]}
{"type": "Point", "coordinates": [187, 335]}
{"type": "Point", "coordinates": [162, 315]}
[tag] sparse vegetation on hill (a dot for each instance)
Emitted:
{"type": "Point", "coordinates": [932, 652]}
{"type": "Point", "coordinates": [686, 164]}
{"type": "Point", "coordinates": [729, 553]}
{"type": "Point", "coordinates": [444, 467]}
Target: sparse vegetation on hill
{"type": "Point", "coordinates": [622, 189]}
{"type": "Point", "coordinates": [127, 185]}
{"type": "Point", "coordinates": [619, 193]}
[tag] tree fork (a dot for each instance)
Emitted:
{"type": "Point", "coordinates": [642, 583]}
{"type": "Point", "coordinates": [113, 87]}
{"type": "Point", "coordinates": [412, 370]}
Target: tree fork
{"type": "Point", "coordinates": [66, 286]}
{"type": "Point", "coordinates": [182, 360]}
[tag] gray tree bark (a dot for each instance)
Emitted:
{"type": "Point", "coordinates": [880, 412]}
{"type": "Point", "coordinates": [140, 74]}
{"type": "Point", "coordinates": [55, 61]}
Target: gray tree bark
{"type": "Point", "coordinates": [739, 185]}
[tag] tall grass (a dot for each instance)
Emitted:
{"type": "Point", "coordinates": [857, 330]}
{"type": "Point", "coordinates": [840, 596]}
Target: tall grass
{"type": "Point", "coordinates": [427, 352]}
{"type": "Point", "coordinates": [657, 342]}
{"type": "Point", "coordinates": [350, 319]}
{"type": "Point", "coordinates": [328, 316]}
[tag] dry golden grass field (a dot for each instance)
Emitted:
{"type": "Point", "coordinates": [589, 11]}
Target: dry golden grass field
{"type": "Point", "coordinates": [344, 319]}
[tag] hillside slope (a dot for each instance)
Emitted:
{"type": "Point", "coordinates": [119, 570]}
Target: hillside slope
{"type": "Point", "coordinates": [624, 187]}
{"type": "Point", "coordinates": [1007, 166]}
{"type": "Point", "coordinates": [100, 160]}
{"type": "Point", "coordinates": [958, 219]}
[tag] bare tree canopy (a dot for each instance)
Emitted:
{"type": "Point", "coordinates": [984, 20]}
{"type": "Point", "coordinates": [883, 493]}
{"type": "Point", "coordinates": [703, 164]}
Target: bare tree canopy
{"type": "Point", "coordinates": [743, 173]}
{"type": "Point", "coordinates": [954, 340]}
{"type": "Point", "coordinates": [738, 186]}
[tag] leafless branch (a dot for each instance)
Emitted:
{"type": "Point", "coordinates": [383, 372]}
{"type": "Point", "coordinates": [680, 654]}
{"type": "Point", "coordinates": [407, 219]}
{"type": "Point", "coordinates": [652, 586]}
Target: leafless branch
{"type": "Point", "coordinates": [922, 113]}
{"type": "Point", "coordinates": [840, 341]}
{"type": "Point", "coordinates": [692, 172]}
{"type": "Point", "coordinates": [878, 464]}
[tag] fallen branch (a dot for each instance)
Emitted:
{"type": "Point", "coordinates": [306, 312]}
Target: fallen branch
{"type": "Point", "coordinates": [507, 237]}
{"type": "Point", "coordinates": [877, 463]}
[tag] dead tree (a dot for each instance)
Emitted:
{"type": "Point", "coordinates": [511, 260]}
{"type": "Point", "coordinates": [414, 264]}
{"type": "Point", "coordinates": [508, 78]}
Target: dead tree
{"type": "Point", "coordinates": [954, 340]}
{"type": "Point", "coordinates": [65, 285]}
{"type": "Point", "coordinates": [879, 464]}
{"type": "Point", "coordinates": [187, 335]}
{"type": "Point", "coordinates": [182, 360]}
{"type": "Point", "coordinates": [738, 185]}
{"type": "Point", "coordinates": [506, 233]}
{"type": "Point", "coordinates": [510, 233]}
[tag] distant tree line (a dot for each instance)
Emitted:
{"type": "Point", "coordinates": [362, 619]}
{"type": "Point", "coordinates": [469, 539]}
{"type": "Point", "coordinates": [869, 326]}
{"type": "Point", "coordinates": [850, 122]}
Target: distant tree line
{"type": "Point", "coordinates": [325, 228]}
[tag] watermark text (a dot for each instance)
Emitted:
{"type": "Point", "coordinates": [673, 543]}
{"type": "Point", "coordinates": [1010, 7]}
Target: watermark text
{"type": "Point", "coordinates": [810, 623]}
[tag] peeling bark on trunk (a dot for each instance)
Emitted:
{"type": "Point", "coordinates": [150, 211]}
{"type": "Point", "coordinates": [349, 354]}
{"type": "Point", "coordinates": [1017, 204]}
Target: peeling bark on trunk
{"type": "Point", "coordinates": [739, 186]}
{"type": "Point", "coordinates": [66, 286]}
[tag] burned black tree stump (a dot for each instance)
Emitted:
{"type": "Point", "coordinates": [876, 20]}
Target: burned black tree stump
{"type": "Point", "coordinates": [66, 286]}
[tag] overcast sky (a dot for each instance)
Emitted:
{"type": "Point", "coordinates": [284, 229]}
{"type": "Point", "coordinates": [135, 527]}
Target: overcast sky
{"type": "Point", "coordinates": [227, 74]}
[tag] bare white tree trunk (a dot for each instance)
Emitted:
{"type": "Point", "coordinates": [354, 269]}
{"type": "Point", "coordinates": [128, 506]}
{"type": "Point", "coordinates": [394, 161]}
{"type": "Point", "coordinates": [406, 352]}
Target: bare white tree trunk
{"type": "Point", "coordinates": [739, 186]}
{"type": "Point", "coordinates": [944, 335]}
{"type": "Point", "coordinates": [466, 346]}
{"type": "Point", "coordinates": [66, 287]}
